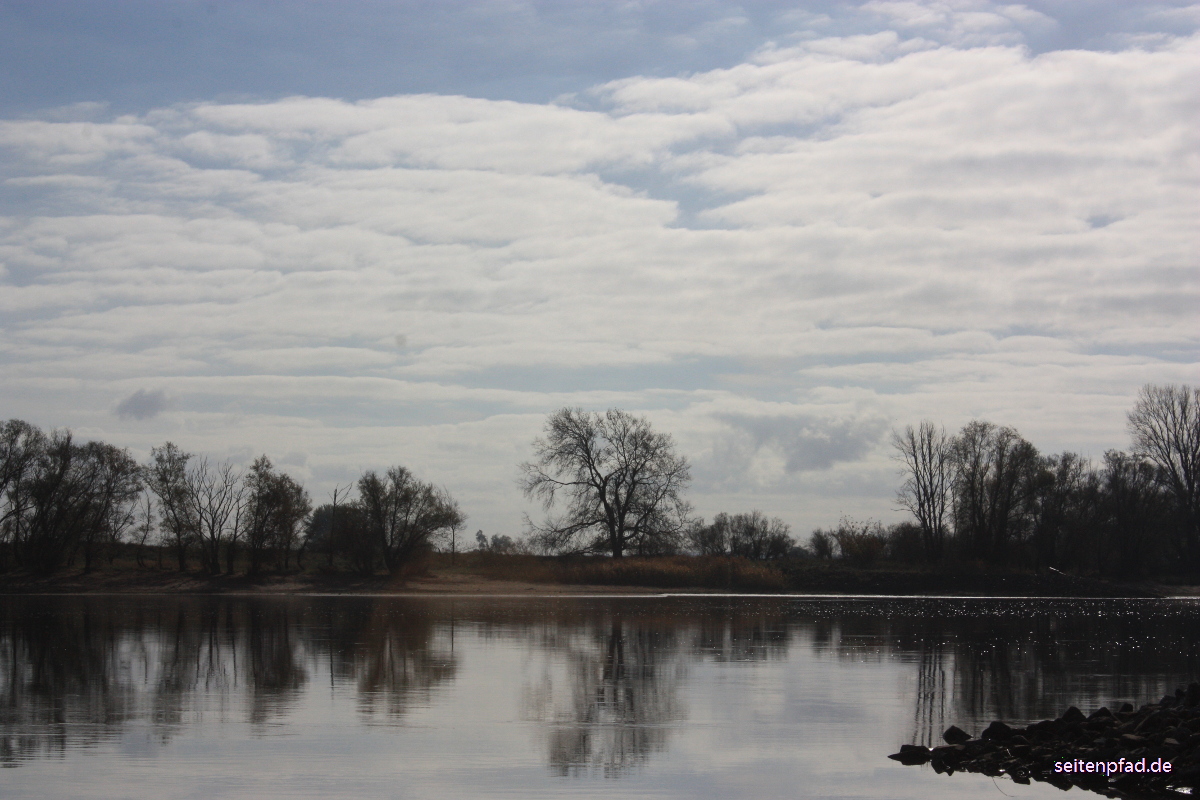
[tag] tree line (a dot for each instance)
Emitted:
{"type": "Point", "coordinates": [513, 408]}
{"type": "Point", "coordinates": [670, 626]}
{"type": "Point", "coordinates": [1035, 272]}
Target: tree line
{"type": "Point", "coordinates": [610, 484]}
{"type": "Point", "coordinates": [66, 503]}
{"type": "Point", "coordinates": [986, 494]}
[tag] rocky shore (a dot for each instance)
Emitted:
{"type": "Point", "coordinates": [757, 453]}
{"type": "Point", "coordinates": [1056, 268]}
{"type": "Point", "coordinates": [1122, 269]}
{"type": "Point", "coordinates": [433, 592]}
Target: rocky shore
{"type": "Point", "coordinates": [1149, 752]}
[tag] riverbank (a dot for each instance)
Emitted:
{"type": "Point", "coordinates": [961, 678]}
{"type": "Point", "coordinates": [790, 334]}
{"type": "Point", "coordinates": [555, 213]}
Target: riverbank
{"type": "Point", "coordinates": [503, 575]}
{"type": "Point", "coordinates": [167, 582]}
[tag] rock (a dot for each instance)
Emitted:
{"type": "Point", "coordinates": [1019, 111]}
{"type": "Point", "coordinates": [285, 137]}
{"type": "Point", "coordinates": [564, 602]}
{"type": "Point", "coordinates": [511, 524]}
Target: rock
{"type": "Point", "coordinates": [1167, 730]}
{"type": "Point", "coordinates": [997, 731]}
{"type": "Point", "coordinates": [911, 754]}
{"type": "Point", "coordinates": [956, 735]}
{"type": "Point", "coordinates": [1189, 776]}
{"type": "Point", "coordinates": [1073, 714]}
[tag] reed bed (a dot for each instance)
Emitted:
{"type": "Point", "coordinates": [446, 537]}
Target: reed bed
{"type": "Point", "coordinates": [660, 572]}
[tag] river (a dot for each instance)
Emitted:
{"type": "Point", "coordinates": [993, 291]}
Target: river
{"type": "Point", "coordinates": [482, 697]}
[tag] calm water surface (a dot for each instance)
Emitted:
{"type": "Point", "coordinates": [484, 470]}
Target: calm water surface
{"type": "Point", "coordinates": [675, 697]}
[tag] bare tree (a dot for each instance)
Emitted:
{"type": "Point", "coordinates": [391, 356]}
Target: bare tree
{"type": "Point", "coordinates": [1134, 506]}
{"type": "Point", "coordinates": [404, 515]}
{"type": "Point", "coordinates": [294, 509]}
{"type": "Point", "coordinates": [926, 454]}
{"type": "Point", "coordinates": [334, 528]}
{"type": "Point", "coordinates": [21, 445]}
{"type": "Point", "coordinates": [454, 529]}
{"type": "Point", "coordinates": [1067, 513]}
{"type": "Point", "coordinates": [167, 477]}
{"type": "Point", "coordinates": [623, 484]}
{"type": "Point", "coordinates": [116, 483]}
{"type": "Point", "coordinates": [994, 485]}
{"type": "Point", "coordinates": [1165, 425]}
{"type": "Point", "coordinates": [276, 506]}
{"type": "Point", "coordinates": [215, 496]}
{"type": "Point", "coordinates": [749, 535]}
{"type": "Point", "coordinates": [57, 503]}
{"type": "Point", "coordinates": [711, 539]}
{"type": "Point", "coordinates": [145, 526]}
{"type": "Point", "coordinates": [822, 544]}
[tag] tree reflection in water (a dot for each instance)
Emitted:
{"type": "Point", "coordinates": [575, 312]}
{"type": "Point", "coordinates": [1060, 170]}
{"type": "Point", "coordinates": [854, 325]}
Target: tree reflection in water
{"type": "Point", "coordinates": [74, 672]}
{"type": "Point", "coordinates": [617, 697]}
{"type": "Point", "coordinates": [980, 660]}
{"type": "Point", "coordinates": [395, 654]}
{"type": "Point", "coordinates": [624, 695]}
{"type": "Point", "coordinates": [609, 693]}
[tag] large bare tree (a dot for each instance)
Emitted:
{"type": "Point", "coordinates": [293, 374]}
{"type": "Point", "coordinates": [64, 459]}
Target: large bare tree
{"type": "Point", "coordinates": [1165, 425]}
{"type": "Point", "coordinates": [622, 483]}
{"type": "Point", "coordinates": [166, 475]}
{"type": "Point", "coordinates": [404, 515]}
{"type": "Point", "coordinates": [275, 508]}
{"type": "Point", "coordinates": [927, 456]}
{"type": "Point", "coordinates": [995, 480]}
{"type": "Point", "coordinates": [214, 494]}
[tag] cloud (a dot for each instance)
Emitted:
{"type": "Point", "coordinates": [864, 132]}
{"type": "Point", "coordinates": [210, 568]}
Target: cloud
{"type": "Point", "coordinates": [143, 405]}
{"type": "Point", "coordinates": [771, 449]}
{"type": "Point", "coordinates": [771, 258]}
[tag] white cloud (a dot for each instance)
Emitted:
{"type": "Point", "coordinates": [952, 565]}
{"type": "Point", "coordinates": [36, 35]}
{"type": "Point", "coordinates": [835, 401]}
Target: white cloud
{"type": "Point", "coordinates": [775, 260]}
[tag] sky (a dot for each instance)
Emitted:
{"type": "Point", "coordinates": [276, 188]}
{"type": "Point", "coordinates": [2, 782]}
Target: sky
{"type": "Point", "coordinates": [357, 234]}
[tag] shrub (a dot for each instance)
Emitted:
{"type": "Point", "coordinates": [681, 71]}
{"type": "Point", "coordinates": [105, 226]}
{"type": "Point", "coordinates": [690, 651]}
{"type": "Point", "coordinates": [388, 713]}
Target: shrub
{"type": "Point", "coordinates": [861, 543]}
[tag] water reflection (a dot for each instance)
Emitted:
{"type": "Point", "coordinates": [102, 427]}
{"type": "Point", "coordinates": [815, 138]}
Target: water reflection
{"type": "Point", "coordinates": [394, 654]}
{"type": "Point", "coordinates": [1021, 661]}
{"type": "Point", "coordinates": [624, 678]}
{"type": "Point", "coordinates": [604, 682]}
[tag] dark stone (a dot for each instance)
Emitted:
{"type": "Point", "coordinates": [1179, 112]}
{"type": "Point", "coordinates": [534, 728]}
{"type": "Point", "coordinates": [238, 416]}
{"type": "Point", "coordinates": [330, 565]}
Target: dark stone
{"type": "Point", "coordinates": [1072, 714]}
{"type": "Point", "coordinates": [912, 754]}
{"type": "Point", "coordinates": [997, 731]}
{"type": "Point", "coordinates": [1189, 776]}
{"type": "Point", "coordinates": [1058, 782]}
{"type": "Point", "coordinates": [956, 735]}
{"type": "Point", "coordinates": [1169, 730]}
{"type": "Point", "coordinates": [1191, 698]}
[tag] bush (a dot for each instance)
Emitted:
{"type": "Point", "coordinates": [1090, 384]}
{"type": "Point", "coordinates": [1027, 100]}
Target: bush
{"type": "Point", "coordinates": [861, 543]}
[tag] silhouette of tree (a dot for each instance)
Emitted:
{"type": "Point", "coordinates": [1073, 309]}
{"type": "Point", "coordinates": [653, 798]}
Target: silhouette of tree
{"type": "Point", "coordinates": [403, 516]}
{"type": "Point", "coordinates": [1165, 425]}
{"type": "Point", "coordinates": [623, 484]}
{"type": "Point", "coordinates": [926, 454]}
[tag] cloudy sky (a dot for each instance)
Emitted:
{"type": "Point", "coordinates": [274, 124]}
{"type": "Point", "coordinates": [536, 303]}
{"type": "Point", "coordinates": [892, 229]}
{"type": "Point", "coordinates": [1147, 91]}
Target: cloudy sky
{"type": "Point", "coordinates": [365, 233]}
